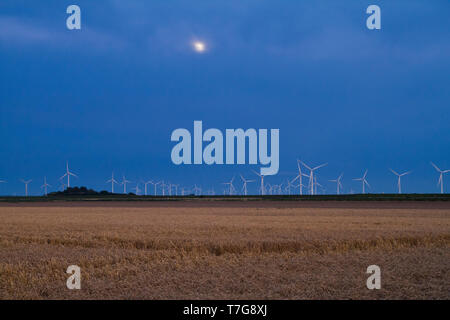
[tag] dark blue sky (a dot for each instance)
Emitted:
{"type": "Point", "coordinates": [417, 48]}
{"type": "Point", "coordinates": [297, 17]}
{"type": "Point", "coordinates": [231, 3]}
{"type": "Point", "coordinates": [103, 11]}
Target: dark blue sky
{"type": "Point", "coordinates": [108, 96]}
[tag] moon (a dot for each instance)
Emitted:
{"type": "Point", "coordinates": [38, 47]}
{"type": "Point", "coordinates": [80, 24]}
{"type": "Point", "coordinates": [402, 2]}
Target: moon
{"type": "Point", "coordinates": [199, 46]}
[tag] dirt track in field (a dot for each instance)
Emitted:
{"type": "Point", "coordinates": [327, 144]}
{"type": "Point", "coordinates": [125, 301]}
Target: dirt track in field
{"type": "Point", "coordinates": [225, 250]}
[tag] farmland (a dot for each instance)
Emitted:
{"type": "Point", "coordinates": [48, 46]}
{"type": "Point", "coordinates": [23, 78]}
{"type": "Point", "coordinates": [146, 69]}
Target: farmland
{"type": "Point", "coordinates": [225, 250]}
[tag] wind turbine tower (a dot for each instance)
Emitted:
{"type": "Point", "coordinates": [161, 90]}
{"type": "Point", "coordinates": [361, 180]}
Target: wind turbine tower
{"type": "Point", "coordinates": [45, 186]}
{"type": "Point", "coordinates": [26, 186]}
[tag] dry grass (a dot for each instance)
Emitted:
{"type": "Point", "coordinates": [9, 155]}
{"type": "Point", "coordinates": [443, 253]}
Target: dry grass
{"type": "Point", "coordinates": [223, 252]}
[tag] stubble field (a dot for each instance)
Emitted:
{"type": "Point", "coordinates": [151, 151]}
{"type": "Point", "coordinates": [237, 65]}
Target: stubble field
{"type": "Point", "coordinates": [225, 250]}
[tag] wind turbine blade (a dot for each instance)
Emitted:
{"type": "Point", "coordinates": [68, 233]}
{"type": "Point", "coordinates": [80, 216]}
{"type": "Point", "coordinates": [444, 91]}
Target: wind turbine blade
{"type": "Point", "coordinates": [256, 173]}
{"type": "Point", "coordinates": [305, 165]}
{"type": "Point", "coordinates": [435, 166]}
{"type": "Point", "coordinates": [322, 165]}
{"type": "Point", "coordinates": [394, 172]}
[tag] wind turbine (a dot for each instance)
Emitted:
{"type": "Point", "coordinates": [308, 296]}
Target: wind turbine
{"type": "Point", "coordinates": [317, 184]}
{"type": "Point", "coordinates": [124, 183]}
{"type": "Point", "coordinates": [268, 188]}
{"type": "Point", "coordinates": [280, 188]}
{"type": "Point", "coordinates": [163, 187]}
{"type": "Point", "coordinates": [45, 185]}
{"type": "Point", "coordinates": [197, 190]}
{"type": "Point", "coordinates": [26, 186]}
{"type": "Point", "coordinates": [399, 183]}
{"type": "Point", "coordinates": [112, 180]}
{"type": "Point", "coordinates": [363, 180]}
{"type": "Point", "coordinates": [176, 188]}
{"type": "Point", "coordinates": [145, 186]}
{"type": "Point", "coordinates": [231, 186]}
{"type": "Point", "coordinates": [155, 184]}
{"type": "Point", "coordinates": [245, 184]}
{"type": "Point", "coordinates": [169, 188]}
{"type": "Point", "coordinates": [68, 174]}
{"type": "Point", "coordinates": [338, 183]}
{"type": "Point", "coordinates": [2, 181]}
{"type": "Point", "coordinates": [63, 186]}
{"type": "Point", "coordinates": [311, 175]}
{"type": "Point", "coordinates": [262, 182]}
{"type": "Point", "coordinates": [299, 177]}
{"type": "Point", "coordinates": [137, 189]}
{"type": "Point", "coordinates": [288, 186]}
{"type": "Point", "coordinates": [441, 176]}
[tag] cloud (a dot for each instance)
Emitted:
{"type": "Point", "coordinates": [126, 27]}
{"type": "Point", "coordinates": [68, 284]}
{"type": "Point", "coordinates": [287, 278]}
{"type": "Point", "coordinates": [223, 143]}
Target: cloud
{"type": "Point", "coordinates": [16, 32]}
{"type": "Point", "coordinates": [13, 30]}
{"type": "Point", "coordinates": [233, 29]}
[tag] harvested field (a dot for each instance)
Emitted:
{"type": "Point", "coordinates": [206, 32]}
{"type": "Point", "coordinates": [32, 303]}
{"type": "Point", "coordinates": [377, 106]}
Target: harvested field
{"type": "Point", "coordinates": [225, 251]}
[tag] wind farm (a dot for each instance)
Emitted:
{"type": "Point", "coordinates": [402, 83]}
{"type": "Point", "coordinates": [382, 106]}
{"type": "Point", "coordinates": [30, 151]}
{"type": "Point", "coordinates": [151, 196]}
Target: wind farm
{"type": "Point", "coordinates": [296, 185]}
